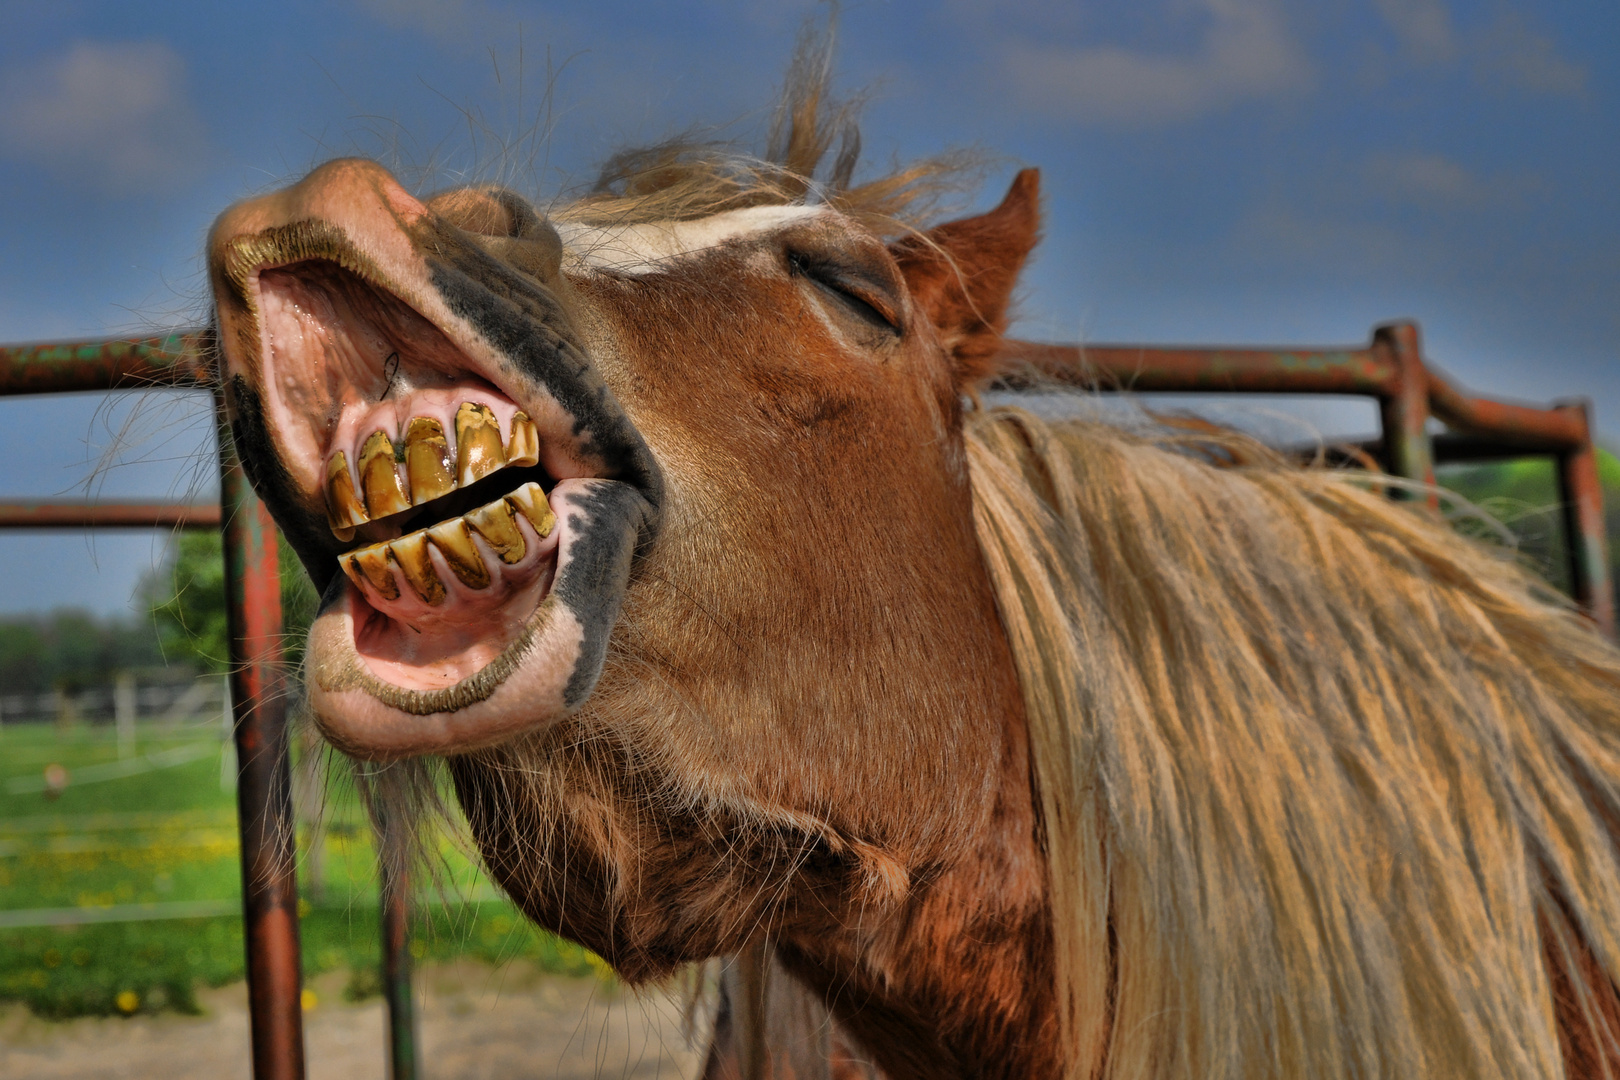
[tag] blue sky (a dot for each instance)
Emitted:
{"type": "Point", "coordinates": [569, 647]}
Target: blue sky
{"type": "Point", "coordinates": [1266, 171]}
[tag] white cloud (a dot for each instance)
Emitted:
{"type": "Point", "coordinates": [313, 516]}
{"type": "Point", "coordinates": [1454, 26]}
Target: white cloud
{"type": "Point", "coordinates": [1246, 52]}
{"type": "Point", "coordinates": [432, 18]}
{"type": "Point", "coordinates": [1429, 179]}
{"type": "Point", "coordinates": [1508, 53]}
{"type": "Point", "coordinates": [1511, 54]}
{"type": "Point", "coordinates": [110, 114]}
{"type": "Point", "coordinates": [1423, 27]}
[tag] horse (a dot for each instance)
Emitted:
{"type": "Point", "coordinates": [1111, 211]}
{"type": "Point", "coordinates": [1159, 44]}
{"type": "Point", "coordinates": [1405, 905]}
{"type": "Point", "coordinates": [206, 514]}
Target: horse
{"type": "Point", "coordinates": [676, 523]}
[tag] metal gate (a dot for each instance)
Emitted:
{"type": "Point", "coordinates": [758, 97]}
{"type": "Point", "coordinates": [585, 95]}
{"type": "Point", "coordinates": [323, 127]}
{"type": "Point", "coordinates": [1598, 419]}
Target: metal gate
{"type": "Point", "coordinates": [1390, 369]}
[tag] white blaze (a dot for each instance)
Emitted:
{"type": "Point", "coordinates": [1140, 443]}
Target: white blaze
{"type": "Point", "coordinates": [646, 247]}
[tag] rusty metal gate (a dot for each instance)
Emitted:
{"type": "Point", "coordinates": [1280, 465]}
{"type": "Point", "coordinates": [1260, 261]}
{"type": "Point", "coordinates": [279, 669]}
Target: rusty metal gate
{"type": "Point", "coordinates": [1389, 369]}
{"type": "Point", "coordinates": [257, 680]}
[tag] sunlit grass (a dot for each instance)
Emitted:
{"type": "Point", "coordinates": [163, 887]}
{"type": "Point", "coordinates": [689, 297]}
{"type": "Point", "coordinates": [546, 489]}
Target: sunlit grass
{"type": "Point", "coordinates": [169, 835]}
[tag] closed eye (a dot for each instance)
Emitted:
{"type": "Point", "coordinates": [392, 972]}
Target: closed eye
{"type": "Point", "coordinates": [849, 291]}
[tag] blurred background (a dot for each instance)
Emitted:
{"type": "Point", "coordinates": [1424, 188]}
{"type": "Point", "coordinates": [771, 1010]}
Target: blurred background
{"type": "Point", "coordinates": [1214, 171]}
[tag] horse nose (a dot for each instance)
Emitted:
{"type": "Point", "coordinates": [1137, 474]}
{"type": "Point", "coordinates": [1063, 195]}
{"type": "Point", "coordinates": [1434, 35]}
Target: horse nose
{"type": "Point", "coordinates": [506, 225]}
{"type": "Point", "coordinates": [351, 197]}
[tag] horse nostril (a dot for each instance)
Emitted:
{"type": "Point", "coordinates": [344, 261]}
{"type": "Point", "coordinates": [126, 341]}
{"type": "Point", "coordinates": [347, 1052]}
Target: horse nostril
{"type": "Point", "coordinates": [531, 243]}
{"type": "Point", "coordinates": [538, 255]}
{"type": "Point", "coordinates": [505, 225]}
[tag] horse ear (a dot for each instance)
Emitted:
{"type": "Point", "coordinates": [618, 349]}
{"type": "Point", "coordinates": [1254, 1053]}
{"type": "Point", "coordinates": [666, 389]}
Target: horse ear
{"type": "Point", "coordinates": [962, 275]}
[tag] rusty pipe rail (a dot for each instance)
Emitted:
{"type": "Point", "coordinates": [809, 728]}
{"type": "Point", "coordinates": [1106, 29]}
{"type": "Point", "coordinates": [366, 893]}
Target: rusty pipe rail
{"type": "Point", "coordinates": [1370, 371]}
{"type": "Point", "coordinates": [1391, 369]}
{"type": "Point", "coordinates": [264, 810]}
{"type": "Point", "coordinates": [30, 514]}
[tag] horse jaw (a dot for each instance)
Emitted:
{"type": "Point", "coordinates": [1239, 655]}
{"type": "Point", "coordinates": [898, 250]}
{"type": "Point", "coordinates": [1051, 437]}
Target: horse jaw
{"type": "Point", "coordinates": [475, 563]}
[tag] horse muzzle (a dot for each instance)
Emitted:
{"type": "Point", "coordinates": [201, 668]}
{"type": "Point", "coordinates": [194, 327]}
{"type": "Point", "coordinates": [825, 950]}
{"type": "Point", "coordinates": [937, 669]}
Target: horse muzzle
{"type": "Point", "coordinates": [409, 396]}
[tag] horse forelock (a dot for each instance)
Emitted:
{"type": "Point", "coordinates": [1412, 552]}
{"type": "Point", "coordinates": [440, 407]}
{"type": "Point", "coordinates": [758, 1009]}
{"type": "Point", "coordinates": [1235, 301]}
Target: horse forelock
{"type": "Point", "coordinates": [1326, 789]}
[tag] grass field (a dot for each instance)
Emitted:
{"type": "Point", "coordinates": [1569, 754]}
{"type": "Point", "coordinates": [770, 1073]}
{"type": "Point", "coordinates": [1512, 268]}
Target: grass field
{"type": "Point", "coordinates": [155, 832]}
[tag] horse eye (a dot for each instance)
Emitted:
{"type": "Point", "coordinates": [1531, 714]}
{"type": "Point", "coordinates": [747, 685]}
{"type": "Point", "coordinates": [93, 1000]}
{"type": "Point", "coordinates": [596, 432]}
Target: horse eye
{"type": "Point", "coordinates": [846, 289]}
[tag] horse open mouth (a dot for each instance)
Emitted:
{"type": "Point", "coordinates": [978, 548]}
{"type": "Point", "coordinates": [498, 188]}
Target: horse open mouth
{"type": "Point", "coordinates": [421, 419]}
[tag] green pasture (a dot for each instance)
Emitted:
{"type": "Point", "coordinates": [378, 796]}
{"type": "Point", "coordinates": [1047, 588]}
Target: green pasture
{"type": "Point", "coordinates": [164, 837]}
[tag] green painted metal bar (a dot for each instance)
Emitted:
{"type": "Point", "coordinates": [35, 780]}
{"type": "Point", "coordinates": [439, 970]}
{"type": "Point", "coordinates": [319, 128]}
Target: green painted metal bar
{"type": "Point", "coordinates": [182, 358]}
{"type": "Point", "coordinates": [396, 970]}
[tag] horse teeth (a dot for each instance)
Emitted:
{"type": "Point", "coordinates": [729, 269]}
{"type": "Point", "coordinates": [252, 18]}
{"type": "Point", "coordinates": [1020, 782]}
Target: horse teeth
{"type": "Point", "coordinates": [385, 495]}
{"type": "Point", "coordinates": [455, 543]}
{"type": "Point", "coordinates": [343, 507]}
{"type": "Point", "coordinates": [369, 566]}
{"type": "Point", "coordinates": [411, 553]}
{"type": "Point", "coordinates": [530, 501]}
{"type": "Point", "coordinates": [523, 448]}
{"type": "Point", "coordinates": [427, 460]}
{"type": "Point", "coordinates": [493, 521]}
{"type": "Point", "coordinates": [478, 443]}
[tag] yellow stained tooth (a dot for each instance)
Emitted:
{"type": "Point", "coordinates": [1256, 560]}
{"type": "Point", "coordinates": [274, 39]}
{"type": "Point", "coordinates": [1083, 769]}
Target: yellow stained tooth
{"type": "Point", "coordinates": [372, 565]}
{"type": "Point", "coordinates": [455, 543]}
{"type": "Point", "coordinates": [494, 523]}
{"type": "Point", "coordinates": [523, 448]}
{"type": "Point", "coordinates": [384, 493]}
{"type": "Point", "coordinates": [530, 500]}
{"type": "Point", "coordinates": [478, 443]}
{"type": "Point", "coordinates": [427, 460]}
{"type": "Point", "coordinates": [351, 567]}
{"type": "Point", "coordinates": [411, 553]}
{"type": "Point", "coordinates": [343, 508]}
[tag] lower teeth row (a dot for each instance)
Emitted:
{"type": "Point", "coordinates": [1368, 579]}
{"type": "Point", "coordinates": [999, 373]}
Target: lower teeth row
{"type": "Point", "coordinates": [495, 522]}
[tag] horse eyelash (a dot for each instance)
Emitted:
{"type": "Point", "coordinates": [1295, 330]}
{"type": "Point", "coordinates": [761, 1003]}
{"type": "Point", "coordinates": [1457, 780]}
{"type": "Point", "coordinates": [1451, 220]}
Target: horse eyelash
{"type": "Point", "coordinates": [830, 278]}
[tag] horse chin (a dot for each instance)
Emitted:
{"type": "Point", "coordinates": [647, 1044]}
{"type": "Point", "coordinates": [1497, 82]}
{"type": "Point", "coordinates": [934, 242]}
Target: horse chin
{"type": "Point", "coordinates": [477, 674]}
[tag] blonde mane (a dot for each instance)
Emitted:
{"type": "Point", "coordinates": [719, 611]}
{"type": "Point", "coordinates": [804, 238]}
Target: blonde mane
{"type": "Point", "coordinates": [1316, 773]}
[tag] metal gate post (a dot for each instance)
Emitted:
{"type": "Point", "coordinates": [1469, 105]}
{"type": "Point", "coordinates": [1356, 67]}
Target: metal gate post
{"type": "Point", "coordinates": [264, 781]}
{"type": "Point", "coordinates": [1585, 537]}
{"type": "Point", "coordinates": [1404, 413]}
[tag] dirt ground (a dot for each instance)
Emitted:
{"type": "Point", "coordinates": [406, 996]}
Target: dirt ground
{"type": "Point", "coordinates": [477, 1023]}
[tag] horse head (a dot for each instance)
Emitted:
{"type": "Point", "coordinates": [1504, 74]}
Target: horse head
{"type": "Point", "coordinates": [669, 520]}
{"type": "Point", "coordinates": [659, 529]}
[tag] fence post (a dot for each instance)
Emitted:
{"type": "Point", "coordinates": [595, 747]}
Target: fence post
{"type": "Point", "coordinates": [1585, 537]}
{"type": "Point", "coordinates": [124, 713]}
{"type": "Point", "coordinates": [1405, 413]}
{"type": "Point", "coordinates": [396, 970]}
{"type": "Point", "coordinates": [264, 783]}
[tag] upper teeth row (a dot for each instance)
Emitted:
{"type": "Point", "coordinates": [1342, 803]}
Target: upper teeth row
{"type": "Point", "coordinates": [429, 468]}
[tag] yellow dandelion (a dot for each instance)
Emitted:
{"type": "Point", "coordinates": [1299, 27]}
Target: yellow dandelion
{"type": "Point", "coordinates": [127, 1001]}
{"type": "Point", "coordinates": [308, 1000]}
